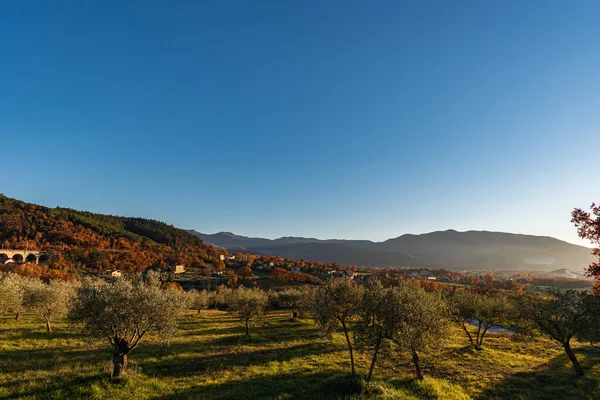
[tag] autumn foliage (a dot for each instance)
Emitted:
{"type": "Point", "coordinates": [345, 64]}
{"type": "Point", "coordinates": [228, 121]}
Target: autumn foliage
{"type": "Point", "coordinates": [588, 227]}
{"type": "Point", "coordinates": [75, 240]}
{"type": "Point", "coordinates": [282, 275]}
{"type": "Point", "coordinates": [42, 272]}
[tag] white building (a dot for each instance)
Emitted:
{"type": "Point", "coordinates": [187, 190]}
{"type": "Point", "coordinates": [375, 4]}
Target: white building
{"type": "Point", "coordinates": [178, 269]}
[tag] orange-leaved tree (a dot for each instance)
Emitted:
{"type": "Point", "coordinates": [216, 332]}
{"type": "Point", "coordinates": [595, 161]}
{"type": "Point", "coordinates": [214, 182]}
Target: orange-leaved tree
{"type": "Point", "coordinates": [588, 227]}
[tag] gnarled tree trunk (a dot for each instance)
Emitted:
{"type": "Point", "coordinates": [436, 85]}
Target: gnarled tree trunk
{"type": "Point", "coordinates": [415, 358]}
{"type": "Point", "coordinates": [349, 348]}
{"type": "Point", "coordinates": [478, 334]}
{"type": "Point", "coordinates": [48, 327]}
{"type": "Point", "coordinates": [120, 350]}
{"type": "Point", "coordinates": [464, 326]}
{"type": "Point", "coordinates": [480, 343]}
{"type": "Point", "coordinates": [374, 359]}
{"type": "Point", "coordinates": [571, 355]}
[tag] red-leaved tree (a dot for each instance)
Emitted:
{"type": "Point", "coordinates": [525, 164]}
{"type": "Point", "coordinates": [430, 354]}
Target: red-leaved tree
{"type": "Point", "coordinates": [588, 227]}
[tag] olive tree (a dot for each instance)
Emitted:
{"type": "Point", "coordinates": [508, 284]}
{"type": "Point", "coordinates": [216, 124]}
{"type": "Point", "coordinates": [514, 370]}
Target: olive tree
{"type": "Point", "coordinates": [273, 299]}
{"type": "Point", "coordinates": [591, 331]}
{"type": "Point", "coordinates": [291, 299]}
{"type": "Point", "coordinates": [479, 309]}
{"type": "Point", "coordinates": [376, 321]}
{"type": "Point", "coordinates": [122, 313]}
{"type": "Point", "coordinates": [562, 316]}
{"type": "Point", "coordinates": [19, 293]}
{"type": "Point", "coordinates": [51, 300]}
{"type": "Point", "coordinates": [337, 302]}
{"type": "Point", "coordinates": [12, 293]}
{"type": "Point", "coordinates": [248, 305]}
{"type": "Point", "coordinates": [220, 297]}
{"type": "Point", "coordinates": [419, 320]}
{"type": "Point", "coordinates": [198, 300]}
{"type": "Point", "coordinates": [152, 278]}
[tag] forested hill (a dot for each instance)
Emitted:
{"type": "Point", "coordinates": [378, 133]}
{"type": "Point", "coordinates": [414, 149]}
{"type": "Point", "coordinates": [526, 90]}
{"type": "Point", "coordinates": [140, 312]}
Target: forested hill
{"type": "Point", "coordinates": [444, 249]}
{"type": "Point", "coordinates": [79, 239]}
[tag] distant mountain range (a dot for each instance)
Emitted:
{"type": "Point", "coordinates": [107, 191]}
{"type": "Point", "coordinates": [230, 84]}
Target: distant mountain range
{"type": "Point", "coordinates": [444, 249]}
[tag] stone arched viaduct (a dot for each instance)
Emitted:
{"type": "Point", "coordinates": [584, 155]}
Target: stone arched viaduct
{"type": "Point", "coordinates": [19, 256]}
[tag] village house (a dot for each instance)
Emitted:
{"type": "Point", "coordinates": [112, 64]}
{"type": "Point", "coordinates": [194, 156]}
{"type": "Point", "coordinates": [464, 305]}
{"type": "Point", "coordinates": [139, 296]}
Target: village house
{"type": "Point", "coordinates": [178, 269]}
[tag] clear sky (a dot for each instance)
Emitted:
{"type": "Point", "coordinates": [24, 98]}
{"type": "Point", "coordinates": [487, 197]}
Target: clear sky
{"type": "Point", "coordinates": [326, 119]}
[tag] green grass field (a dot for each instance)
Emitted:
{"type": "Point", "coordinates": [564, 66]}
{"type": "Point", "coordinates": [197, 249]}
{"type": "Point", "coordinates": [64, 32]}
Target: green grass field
{"type": "Point", "coordinates": [284, 359]}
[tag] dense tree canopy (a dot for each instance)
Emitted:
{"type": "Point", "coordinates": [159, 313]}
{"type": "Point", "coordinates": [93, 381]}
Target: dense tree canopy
{"type": "Point", "coordinates": [337, 302]}
{"type": "Point", "coordinates": [122, 313]}
{"type": "Point", "coordinates": [588, 227]}
{"type": "Point", "coordinates": [12, 294]}
{"type": "Point", "coordinates": [249, 305]}
{"type": "Point", "coordinates": [484, 310]}
{"type": "Point", "coordinates": [376, 322]}
{"type": "Point", "coordinates": [420, 320]}
{"type": "Point", "coordinates": [51, 300]}
{"type": "Point", "coordinates": [562, 316]}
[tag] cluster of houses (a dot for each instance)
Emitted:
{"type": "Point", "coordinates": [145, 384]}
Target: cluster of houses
{"type": "Point", "coordinates": [263, 267]}
{"type": "Point", "coordinates": [426, 274]}
{"type": "Point", "coordinates": [115, 273]}
{"type": "Point", "coordinates": [339, 274]}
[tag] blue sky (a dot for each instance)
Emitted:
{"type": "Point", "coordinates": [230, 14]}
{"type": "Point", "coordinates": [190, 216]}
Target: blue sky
{"type": "Point", "coordinates": [325, 119]}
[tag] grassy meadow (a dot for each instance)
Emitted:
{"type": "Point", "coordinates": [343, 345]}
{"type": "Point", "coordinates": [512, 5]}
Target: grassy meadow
{"type": "Point", "coordinates": [283, 359]}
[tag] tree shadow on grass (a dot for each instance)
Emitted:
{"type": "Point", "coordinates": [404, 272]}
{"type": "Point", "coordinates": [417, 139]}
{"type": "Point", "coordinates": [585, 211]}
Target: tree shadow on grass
{"type": "Point", "coordinates": [458, 352]}
{"type": "Point", "coordinates": [272, 330]}
{"type": "Point", "coordinates": [76, 388]}
{"type": "Point", "coordinates": [21, 360]}
{"type": "Point", "coordinates": [278, 340]}
{"type": "Point", "coordinates": [23, 333]}
{"type": "Point", "coordinates": [409, 385]}
{"type": "Point", "coordinates": [169, 364]}
{"type": "Point", "coordinates": [554, 380]}
{"type": "Point", "coordinates": [258, 335]}
{"type": "Point", "coordinates": [275, 327]}
{"type": "Point", "coordinates": [312, 386]}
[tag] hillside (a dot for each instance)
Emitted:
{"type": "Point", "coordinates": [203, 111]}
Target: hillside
{"type": "Point", "coordinates": [230, 240]}
{"type": "Point", "coordinates": [339, 253]}
{"type": "Point", "coordinates": [494, 250]}
{"type": "Point", "coordinates": [445, 249]}
{"type": "Point", "coordinates": [79, 239]}
{"type": "Point", "coordinates": [349, 252]}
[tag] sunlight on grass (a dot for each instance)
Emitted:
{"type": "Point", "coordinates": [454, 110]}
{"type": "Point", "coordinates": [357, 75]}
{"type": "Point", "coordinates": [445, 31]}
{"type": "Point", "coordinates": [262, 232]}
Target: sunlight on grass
{"type": "Point", "coordinates": [211, 359]}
